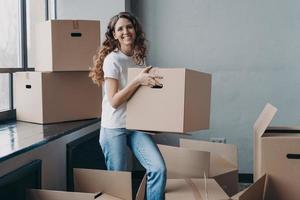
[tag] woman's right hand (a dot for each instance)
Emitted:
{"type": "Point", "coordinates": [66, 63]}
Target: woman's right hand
{"type": "Point", "coordinates": [146, 79]}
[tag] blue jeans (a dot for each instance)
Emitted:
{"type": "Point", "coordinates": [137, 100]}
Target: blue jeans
{"type": "Point", "coordinates": [114, 144]}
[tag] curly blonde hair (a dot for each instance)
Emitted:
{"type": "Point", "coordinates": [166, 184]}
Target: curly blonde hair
{"type": "Point", "coordinates": [110, 44]}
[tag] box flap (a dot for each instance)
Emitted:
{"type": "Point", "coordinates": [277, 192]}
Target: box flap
{"type": "Point", "coordinates": [107, 197]}
{"type": "Point", "coordinates": [35, 194]}
{"type": "Point", "coordinates": [185, 163]}
{"type": "Point", "coordinates": [226, 151]}
{"type": "Point", "coordinates": [264, 119]}
{"type": "Point", "coordinates": [140, 195]}
{"type": "Point", "coordinates": [237, 196]}
{"type": "Point", "coordinates": [114, 183]}
{"type": "Point", "coordinates": [260, 125]}
{"type": "Point", "coordinates": [210, 189]}
{"type": "Point", "coordinates": [219, 166]}
{"type": "Point", "coordinates": [198, 189]}
{"type": "Point", "coordinates": [178, 189]}
{"type": "Point", "coordinates": [223, 162]}
{"type": "Point", "coordinates": [255, 192]}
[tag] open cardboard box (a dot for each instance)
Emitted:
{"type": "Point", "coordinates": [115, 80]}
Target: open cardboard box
{"type": "Point", "coordinates": [93, 184]}
{"type": "Point", "coordinates": [115, 183]}
{"type": "Point", "coordinates": [194, 189]}
{"type": "Point", "coordinates": [181, 105]}
{"type": "Point", "coordinates": [223, 162]}
{"type": "Point", "coordinates": [185, 163]}
{"type": "Point", "coordinates": [35, 194]}
{"type": "Point", "coordinates": [277, 153]}
{"type": "Point", "coordinates": [209, 189]}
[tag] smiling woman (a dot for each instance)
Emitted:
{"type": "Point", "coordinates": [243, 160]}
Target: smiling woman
{"type": "Point", "coordinates": [124, 47]}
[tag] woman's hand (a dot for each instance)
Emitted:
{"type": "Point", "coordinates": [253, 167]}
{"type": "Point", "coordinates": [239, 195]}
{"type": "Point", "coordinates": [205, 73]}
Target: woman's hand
{"type": "Point", "coordinates": [147, 79]}
{"type": "Point", "coordinates": [117, 97]}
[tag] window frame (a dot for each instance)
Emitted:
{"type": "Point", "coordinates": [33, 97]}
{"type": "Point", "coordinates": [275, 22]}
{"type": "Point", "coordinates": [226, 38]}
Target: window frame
{"type": "Point", "coordinates": [11, 113]}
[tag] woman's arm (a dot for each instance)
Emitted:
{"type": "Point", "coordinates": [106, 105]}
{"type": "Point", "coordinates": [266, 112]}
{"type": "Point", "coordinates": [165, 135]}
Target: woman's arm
{"type": "Point", "coordinates": [117, 97]}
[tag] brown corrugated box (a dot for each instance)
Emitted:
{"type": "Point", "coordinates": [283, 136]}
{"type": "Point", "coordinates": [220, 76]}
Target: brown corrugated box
{"type": "Point", "coordinates": [277, 153]}
{"type": "Point", "coordinates": [93, 184]}
{"type": "Point", "coordinates": [185, 163]}
{"type": "Point", "coordinates": [181, 105]}
{"type": "Point", "coordinates": [66, 45]}
{"type": "Point", "coordinates": [48, 97]}
{"type": "Point", "coordinates": [223, 162]}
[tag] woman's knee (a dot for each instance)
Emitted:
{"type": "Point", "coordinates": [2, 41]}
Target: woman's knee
{"type": "Point", "coordinates": [159, 170]}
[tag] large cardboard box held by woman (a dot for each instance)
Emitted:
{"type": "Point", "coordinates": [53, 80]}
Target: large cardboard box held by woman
{"type": "Point", "coordinates": [181, 105]}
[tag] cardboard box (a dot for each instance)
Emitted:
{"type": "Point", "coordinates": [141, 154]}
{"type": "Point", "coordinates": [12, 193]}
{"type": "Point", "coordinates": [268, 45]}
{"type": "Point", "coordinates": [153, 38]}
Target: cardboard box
{"type": "Point", "coordinates": [114, 183]}
{"type": "Point", "coordinates": [35, 194]}
{"type": "Point", "coordinates": [276, 153]}
{"type": "Point", "coordinates": [66, 45]}
{"type": "Point", "coordinates": [194, 189]}
{"type": "Point", "coordinates": [223, 162]}
{"type": "Point", "coordinates": [181, 105]}
{"type": "Point", "coordinates": [45, 97]}
{"type": "Point", "coordinates": [185, 163]}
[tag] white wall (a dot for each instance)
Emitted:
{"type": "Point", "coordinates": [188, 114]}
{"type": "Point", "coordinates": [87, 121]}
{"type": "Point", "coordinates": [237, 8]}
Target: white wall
{"type": "Point", "coordinates": [251, 47]}
{"type": "Point", "coordinates": [53, 156]}
{"type": "Point", "coordinates": [101, 10]}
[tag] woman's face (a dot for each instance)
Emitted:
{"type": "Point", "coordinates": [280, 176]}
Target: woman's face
{"type": "Point", "coordinates": [124, 32]}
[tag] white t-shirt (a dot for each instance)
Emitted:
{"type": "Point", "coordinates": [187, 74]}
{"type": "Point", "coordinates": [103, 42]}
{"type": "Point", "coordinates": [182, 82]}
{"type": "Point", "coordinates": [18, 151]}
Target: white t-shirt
{"type": "Point", "coordinates": [115, 66]}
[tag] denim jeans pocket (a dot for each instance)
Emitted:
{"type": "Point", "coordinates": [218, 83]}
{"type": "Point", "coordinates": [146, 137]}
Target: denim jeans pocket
{"type": "Point", "coordinates": [108, 133]}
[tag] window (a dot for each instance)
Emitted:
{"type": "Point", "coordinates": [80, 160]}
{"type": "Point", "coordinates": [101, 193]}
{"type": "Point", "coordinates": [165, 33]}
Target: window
{"type": "Point", "coordinates": [36, 12]}
{"type": "Point", "coordinates": [4, 92]}
{"type": "Point", "coordinates": [17, 21]}
{"type": "Point", "coordinates": [10, 28]}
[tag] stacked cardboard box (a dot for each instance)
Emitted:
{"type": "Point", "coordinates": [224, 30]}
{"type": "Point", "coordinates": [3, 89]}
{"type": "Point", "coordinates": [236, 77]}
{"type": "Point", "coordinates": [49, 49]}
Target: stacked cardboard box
{"type": "Point", "coordinates": [60, 89]}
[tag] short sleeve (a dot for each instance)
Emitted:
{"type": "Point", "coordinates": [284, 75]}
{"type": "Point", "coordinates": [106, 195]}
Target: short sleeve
{"type": "Point", "coordinates": [110, 68]}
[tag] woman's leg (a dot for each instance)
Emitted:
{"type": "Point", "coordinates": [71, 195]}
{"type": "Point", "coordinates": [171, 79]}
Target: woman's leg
{"type": "Point", "coordinates": [114, 147]}
{"type": "Point", "coordinates": [147, 152]}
